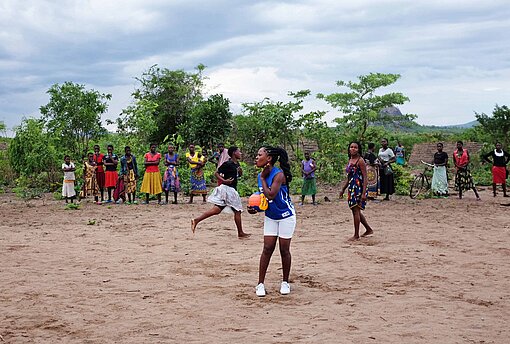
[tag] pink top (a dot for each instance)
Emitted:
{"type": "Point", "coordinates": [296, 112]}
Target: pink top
{"type": "Point", "coordinates": [152, 158]}
{"type": "Point", "coordinates": [463, 160]}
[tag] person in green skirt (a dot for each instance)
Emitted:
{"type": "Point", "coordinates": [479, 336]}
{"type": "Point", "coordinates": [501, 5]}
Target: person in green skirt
{"type": "Point", "coordinates": [308, 168]}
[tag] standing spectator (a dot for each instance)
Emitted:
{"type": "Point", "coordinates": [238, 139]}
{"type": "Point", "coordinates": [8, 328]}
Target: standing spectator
{"type": "Point", "coordinates": [308, 168]}
{"type": "Point", "coordinates": [68, 191]}
{"type": "Point", "coordinates": [220, 157]}
{"type": "Point", "coordinates": [111, 176]}
{"type": "Point", "coordinates": [151, 184]}
{"type": "Point", "coordinates": [372, 164]}
{"type": "Point", "coordinates": [463, 178]}
{"type": "Point", "coordinates": [171, 181]}
{"type": "Point", "coordinates": [440, 178]}
{"type": "Point", "coordinates": [357, 188]}
{"type": "Point", "coordinates": [100, 176]}
{"type": "Point", "coordinates": [129, 172]}
{"type": "Point", "coordinates": [400, 154]}
{"type": "Point", "coordinates": [90, 187]}
{"type": "Point", "coordinates": [500, 159]}
{"type": "Point", "coordinates": [196, 163]}
{"type": "Point", "coordinates": [386, 157]}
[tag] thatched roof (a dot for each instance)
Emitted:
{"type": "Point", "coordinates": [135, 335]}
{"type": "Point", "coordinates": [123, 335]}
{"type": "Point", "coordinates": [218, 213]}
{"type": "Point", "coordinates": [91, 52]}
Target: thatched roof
{"type": "Point", "coordinates": [425, 151]}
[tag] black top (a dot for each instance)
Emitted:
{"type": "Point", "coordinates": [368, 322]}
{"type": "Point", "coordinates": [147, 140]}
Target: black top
{"type": "Point", "coordinates": [499, 161]}
{"type": "Point", "coordinates": [111, 159]}
{"type": "Point", "coordinates": [229, 170]}
{"type": "Point", "coordinates": [440, 158]}
{"type": "Point", "coordinates": [370, 157]}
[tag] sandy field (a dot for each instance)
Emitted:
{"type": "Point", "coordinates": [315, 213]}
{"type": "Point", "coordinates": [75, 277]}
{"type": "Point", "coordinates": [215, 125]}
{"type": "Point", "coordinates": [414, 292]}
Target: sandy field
{"type": "Point", "coordinates": [435, 271]}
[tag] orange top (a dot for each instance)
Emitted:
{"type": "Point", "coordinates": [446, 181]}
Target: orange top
{"type": "Point", "coordinates": [152, 158]}
{"type": "Point", "coordinates": [462, 160]}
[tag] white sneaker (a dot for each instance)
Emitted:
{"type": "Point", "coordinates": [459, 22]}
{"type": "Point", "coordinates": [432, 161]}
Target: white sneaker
{"type": "Point", "coordinates": [285, 288]}
{"type": "Point", "coordinates": [260, 290]}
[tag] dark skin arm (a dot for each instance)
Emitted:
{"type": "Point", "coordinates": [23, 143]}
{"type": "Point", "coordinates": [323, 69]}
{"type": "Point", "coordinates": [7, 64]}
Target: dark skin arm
{"type": "Point", "coordinates": [198, 164]}
{"type": "Point", "coordinates": [486, 158]}
{"type": "Point", "coordinates": [278, 180]}
{"type": "Point", "coordinates": [222, 180]}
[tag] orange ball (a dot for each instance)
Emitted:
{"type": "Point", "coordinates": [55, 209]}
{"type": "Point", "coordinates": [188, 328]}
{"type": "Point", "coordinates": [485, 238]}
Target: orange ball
{"type": "Point", "coordinates": [258, 201]}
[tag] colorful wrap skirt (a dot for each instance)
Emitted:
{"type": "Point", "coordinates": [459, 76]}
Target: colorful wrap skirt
{"type": "Point", "coordinates": [463, 180]}
{"type": "Point", "coordinates": [130, 182]}
{"type": "Point", "coordinates": [171, 181]}
{"type": "Point", "coordinates": [197, 180]}
{"type": "Point", "coordinates": [372, 180]}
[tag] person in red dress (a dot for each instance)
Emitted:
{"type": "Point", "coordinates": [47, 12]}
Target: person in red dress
{"type": "Point", "coordinates": [98, 159]}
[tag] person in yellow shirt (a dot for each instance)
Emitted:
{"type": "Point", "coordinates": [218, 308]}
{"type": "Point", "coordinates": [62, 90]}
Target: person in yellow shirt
{"type": "Point", "coordinates": [196, 162]}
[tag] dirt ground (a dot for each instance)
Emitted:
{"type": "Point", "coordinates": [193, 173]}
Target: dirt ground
{"type": "Point", "coordinates": [435, 271]}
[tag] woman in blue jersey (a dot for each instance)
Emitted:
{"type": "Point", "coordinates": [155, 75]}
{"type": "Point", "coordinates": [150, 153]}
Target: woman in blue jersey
{"type": "Point", "coordinates": [280, 216]}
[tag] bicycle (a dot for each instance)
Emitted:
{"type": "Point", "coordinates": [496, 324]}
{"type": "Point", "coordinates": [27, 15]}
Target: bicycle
{"type": "Point", "coordinates": [420, 184]}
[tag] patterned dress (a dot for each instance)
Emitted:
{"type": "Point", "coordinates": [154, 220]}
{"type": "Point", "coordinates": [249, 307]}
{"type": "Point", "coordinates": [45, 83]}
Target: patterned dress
{"type": "Point", "coordinates": [171, 181]}
{"type": "Point", "coordinates": [197, 178]}
{"type": "Point", "coordinates": [90, 187]}
{"type": "Point", "coordinates": [355, 187]}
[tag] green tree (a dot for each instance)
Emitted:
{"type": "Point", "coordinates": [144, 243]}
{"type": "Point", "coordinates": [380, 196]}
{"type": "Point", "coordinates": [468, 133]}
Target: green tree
{"type": "Point", "coordinates": [73, 115]}
{"type": "Point", "coordinates": [167, 97]}
{"type": "Point", "coordinates": [3, 128]}
{"type": "Point", "coordinates": [32, 151]}
{"type": "Point", "coordinates": [209, 123]}
{"type": "Point", "coordinates": [496, 127]}
{"type": "Point", "coordinates": [269, 122]}
{"type": "Point", "coordinates": [361, 105]}
{"type": "Point", "coordinates": [137, 123]}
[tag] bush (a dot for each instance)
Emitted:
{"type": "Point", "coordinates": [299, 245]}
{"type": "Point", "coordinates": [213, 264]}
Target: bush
{"type": "Point", "coordinates": [403, 179]}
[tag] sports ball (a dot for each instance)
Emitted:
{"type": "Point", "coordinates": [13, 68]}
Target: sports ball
{"type": "Point", "coordinates": [258, 201]}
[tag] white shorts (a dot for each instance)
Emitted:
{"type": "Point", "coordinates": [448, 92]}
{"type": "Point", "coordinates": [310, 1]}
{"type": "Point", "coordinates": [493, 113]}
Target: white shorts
{"type": "Point", "coordinates": [281, 228]}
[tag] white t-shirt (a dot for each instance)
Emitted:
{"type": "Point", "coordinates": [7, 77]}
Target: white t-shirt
{"type": "Point", "coordinates": [386, 154]}
{"type": "Point", "coordinates": [68, 175]}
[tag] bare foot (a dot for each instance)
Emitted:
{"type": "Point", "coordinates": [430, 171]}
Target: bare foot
{"type": "Point", "coordinates": [244, 235]}
{"type": "Point", "coordinates": [354, 238]}
{"type": "Point", "coordinates": [367, 232]}
{"type": "Point", "coordinates": [193, 225]}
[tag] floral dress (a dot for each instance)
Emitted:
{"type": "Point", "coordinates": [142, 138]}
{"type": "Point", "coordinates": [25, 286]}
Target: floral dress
{"type": "Point", "coordinates": [171, 180]}
{"type": "Point", "coordinates": [355, 187]}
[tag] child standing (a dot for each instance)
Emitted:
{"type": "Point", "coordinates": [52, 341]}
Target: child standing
{"type": "Point", "coordinates": [357, 183]}
{"type": "Point", "coordinates": [90, 187]}
{"type": "Point", "coordinates": [68, 186]}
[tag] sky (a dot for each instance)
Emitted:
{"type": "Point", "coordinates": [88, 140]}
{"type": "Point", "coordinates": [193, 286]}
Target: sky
{"type": "Point", "coordinates": [452, 55]}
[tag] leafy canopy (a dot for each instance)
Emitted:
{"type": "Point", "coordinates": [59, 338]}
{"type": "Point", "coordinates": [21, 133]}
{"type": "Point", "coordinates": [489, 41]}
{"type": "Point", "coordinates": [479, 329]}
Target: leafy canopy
{"type": "Point", "coordinates": [163, 101]}
{"type": "Point", "coordinates": [361, 105]}
{"type": "Point", "coordinates": [496, 127]}
{"type": "Point", "coordinates": [73, 116]}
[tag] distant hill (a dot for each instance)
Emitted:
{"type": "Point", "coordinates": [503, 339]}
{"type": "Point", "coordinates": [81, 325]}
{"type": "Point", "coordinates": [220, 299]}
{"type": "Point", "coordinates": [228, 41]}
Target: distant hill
{"type": "Point", "coordinates": [465, 125]}
{"type": "Point", "coordinates": [394, 121]}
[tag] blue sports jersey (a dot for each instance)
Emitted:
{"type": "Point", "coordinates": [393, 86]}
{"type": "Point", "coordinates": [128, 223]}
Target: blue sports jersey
{"type": "Point", "coordinates": [281, 206]}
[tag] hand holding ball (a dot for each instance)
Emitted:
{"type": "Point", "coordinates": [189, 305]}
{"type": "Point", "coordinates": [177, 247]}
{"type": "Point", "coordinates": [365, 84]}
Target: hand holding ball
{"type": "Point", "coordinates": [258, 202]}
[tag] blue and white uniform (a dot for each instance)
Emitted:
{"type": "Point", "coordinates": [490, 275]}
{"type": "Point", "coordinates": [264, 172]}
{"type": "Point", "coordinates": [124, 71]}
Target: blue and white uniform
{"type": "Point", "coordinates": [280, 219]}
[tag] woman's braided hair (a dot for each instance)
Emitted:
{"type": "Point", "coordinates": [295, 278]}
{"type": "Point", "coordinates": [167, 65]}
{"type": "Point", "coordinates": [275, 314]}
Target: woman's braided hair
{"type": "Point", "coordinates": [280, 154]}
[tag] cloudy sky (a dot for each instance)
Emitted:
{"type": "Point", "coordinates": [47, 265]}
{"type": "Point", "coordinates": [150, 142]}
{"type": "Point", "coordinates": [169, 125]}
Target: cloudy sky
{"type": "Point", "coordinates": [452, 55]}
